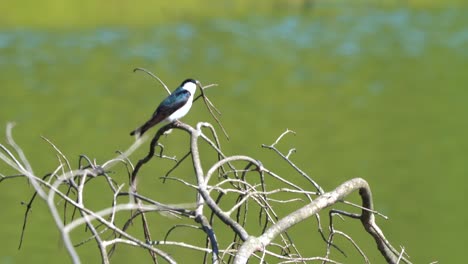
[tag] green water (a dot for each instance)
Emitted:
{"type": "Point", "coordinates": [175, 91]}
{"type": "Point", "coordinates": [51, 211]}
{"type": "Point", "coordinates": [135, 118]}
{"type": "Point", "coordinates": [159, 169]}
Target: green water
{"type": "Point", "coordinates": [371, 92]}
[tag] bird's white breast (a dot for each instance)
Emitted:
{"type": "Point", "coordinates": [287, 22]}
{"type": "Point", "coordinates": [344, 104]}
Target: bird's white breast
{"type": "Point", "coordinates": [181, 112]}
{"type": "Point", "coordinates": [191, 87]}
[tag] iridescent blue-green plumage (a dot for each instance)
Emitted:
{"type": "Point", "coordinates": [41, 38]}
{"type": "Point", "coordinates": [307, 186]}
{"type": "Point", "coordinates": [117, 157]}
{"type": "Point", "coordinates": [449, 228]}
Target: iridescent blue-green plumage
{"type": "Point", "coordinates": [180, 99]}
{"type": "Point", "coordinates": [173, 102]}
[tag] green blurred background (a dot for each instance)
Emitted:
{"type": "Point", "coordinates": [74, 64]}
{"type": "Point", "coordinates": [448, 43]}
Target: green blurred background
{"type": "Point", "coordinates": [374, 89]}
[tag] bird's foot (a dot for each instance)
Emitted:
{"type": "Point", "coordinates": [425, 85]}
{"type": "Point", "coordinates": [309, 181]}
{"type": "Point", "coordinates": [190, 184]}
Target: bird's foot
{"type": "Point", "coordinates": [177, 122]}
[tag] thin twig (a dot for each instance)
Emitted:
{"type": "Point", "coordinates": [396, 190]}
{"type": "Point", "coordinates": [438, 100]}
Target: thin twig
{"type": "Point", "coordinates": [154, 76]}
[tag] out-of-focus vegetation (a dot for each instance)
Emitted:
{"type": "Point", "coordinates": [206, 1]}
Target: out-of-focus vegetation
{"type": "Point", "coordinates": [90, 13]}
{"type": "Point", "coordinates": [375, 89]}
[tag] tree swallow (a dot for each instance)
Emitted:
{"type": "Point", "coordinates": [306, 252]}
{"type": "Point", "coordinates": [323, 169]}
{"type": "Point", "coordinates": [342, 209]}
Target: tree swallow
{"type": "Point", "coordinates": [174, 107]}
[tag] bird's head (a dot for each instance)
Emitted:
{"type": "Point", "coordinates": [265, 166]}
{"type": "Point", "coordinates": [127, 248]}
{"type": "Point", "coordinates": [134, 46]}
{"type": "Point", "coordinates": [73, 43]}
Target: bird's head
{"type": "Point", "coordinates": [190, 85]}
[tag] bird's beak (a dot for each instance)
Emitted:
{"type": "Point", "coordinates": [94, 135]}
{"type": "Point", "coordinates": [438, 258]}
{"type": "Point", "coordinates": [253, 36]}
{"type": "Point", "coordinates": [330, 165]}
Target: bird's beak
{"type": "Point", "coordinates": [199, 84]}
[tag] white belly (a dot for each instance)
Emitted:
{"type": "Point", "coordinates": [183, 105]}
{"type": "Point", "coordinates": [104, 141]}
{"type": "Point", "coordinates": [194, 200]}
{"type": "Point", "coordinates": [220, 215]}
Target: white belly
{"type": "Point", "coordinates": [181, 112]}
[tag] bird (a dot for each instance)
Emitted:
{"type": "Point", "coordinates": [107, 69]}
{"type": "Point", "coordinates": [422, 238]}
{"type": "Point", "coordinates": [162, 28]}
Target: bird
{"type": "Point", "coordinates": [174, 107]}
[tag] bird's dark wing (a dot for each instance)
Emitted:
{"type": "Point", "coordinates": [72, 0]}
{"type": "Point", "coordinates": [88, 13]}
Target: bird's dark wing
{"type": "Point", "coordinates": [173, 102]}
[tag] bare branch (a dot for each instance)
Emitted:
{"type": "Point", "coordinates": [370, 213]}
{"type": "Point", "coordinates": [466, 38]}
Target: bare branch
{"type": "Point", "coordinates": [154, 76]}
{"type": "Point", "coordinates": [323, 201]}
{"type": "Point", "coordinates": [286, 158]}
{"type": "Point", "coordinates": [233, 192]}
{"type": "Point", "coordinates": [13, 144]}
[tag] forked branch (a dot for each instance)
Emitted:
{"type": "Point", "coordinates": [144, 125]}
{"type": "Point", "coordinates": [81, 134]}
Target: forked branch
{"type": "Point", "coordinates": [235, 195]}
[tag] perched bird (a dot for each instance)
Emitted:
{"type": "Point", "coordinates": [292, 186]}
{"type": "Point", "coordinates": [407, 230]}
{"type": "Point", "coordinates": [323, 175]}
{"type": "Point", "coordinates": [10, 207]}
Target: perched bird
{"type": "Point", "coordinates": [174, 107]}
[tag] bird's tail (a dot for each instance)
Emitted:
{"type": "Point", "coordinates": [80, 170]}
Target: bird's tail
{"type": "Point", "coordinates": [141, 130]}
